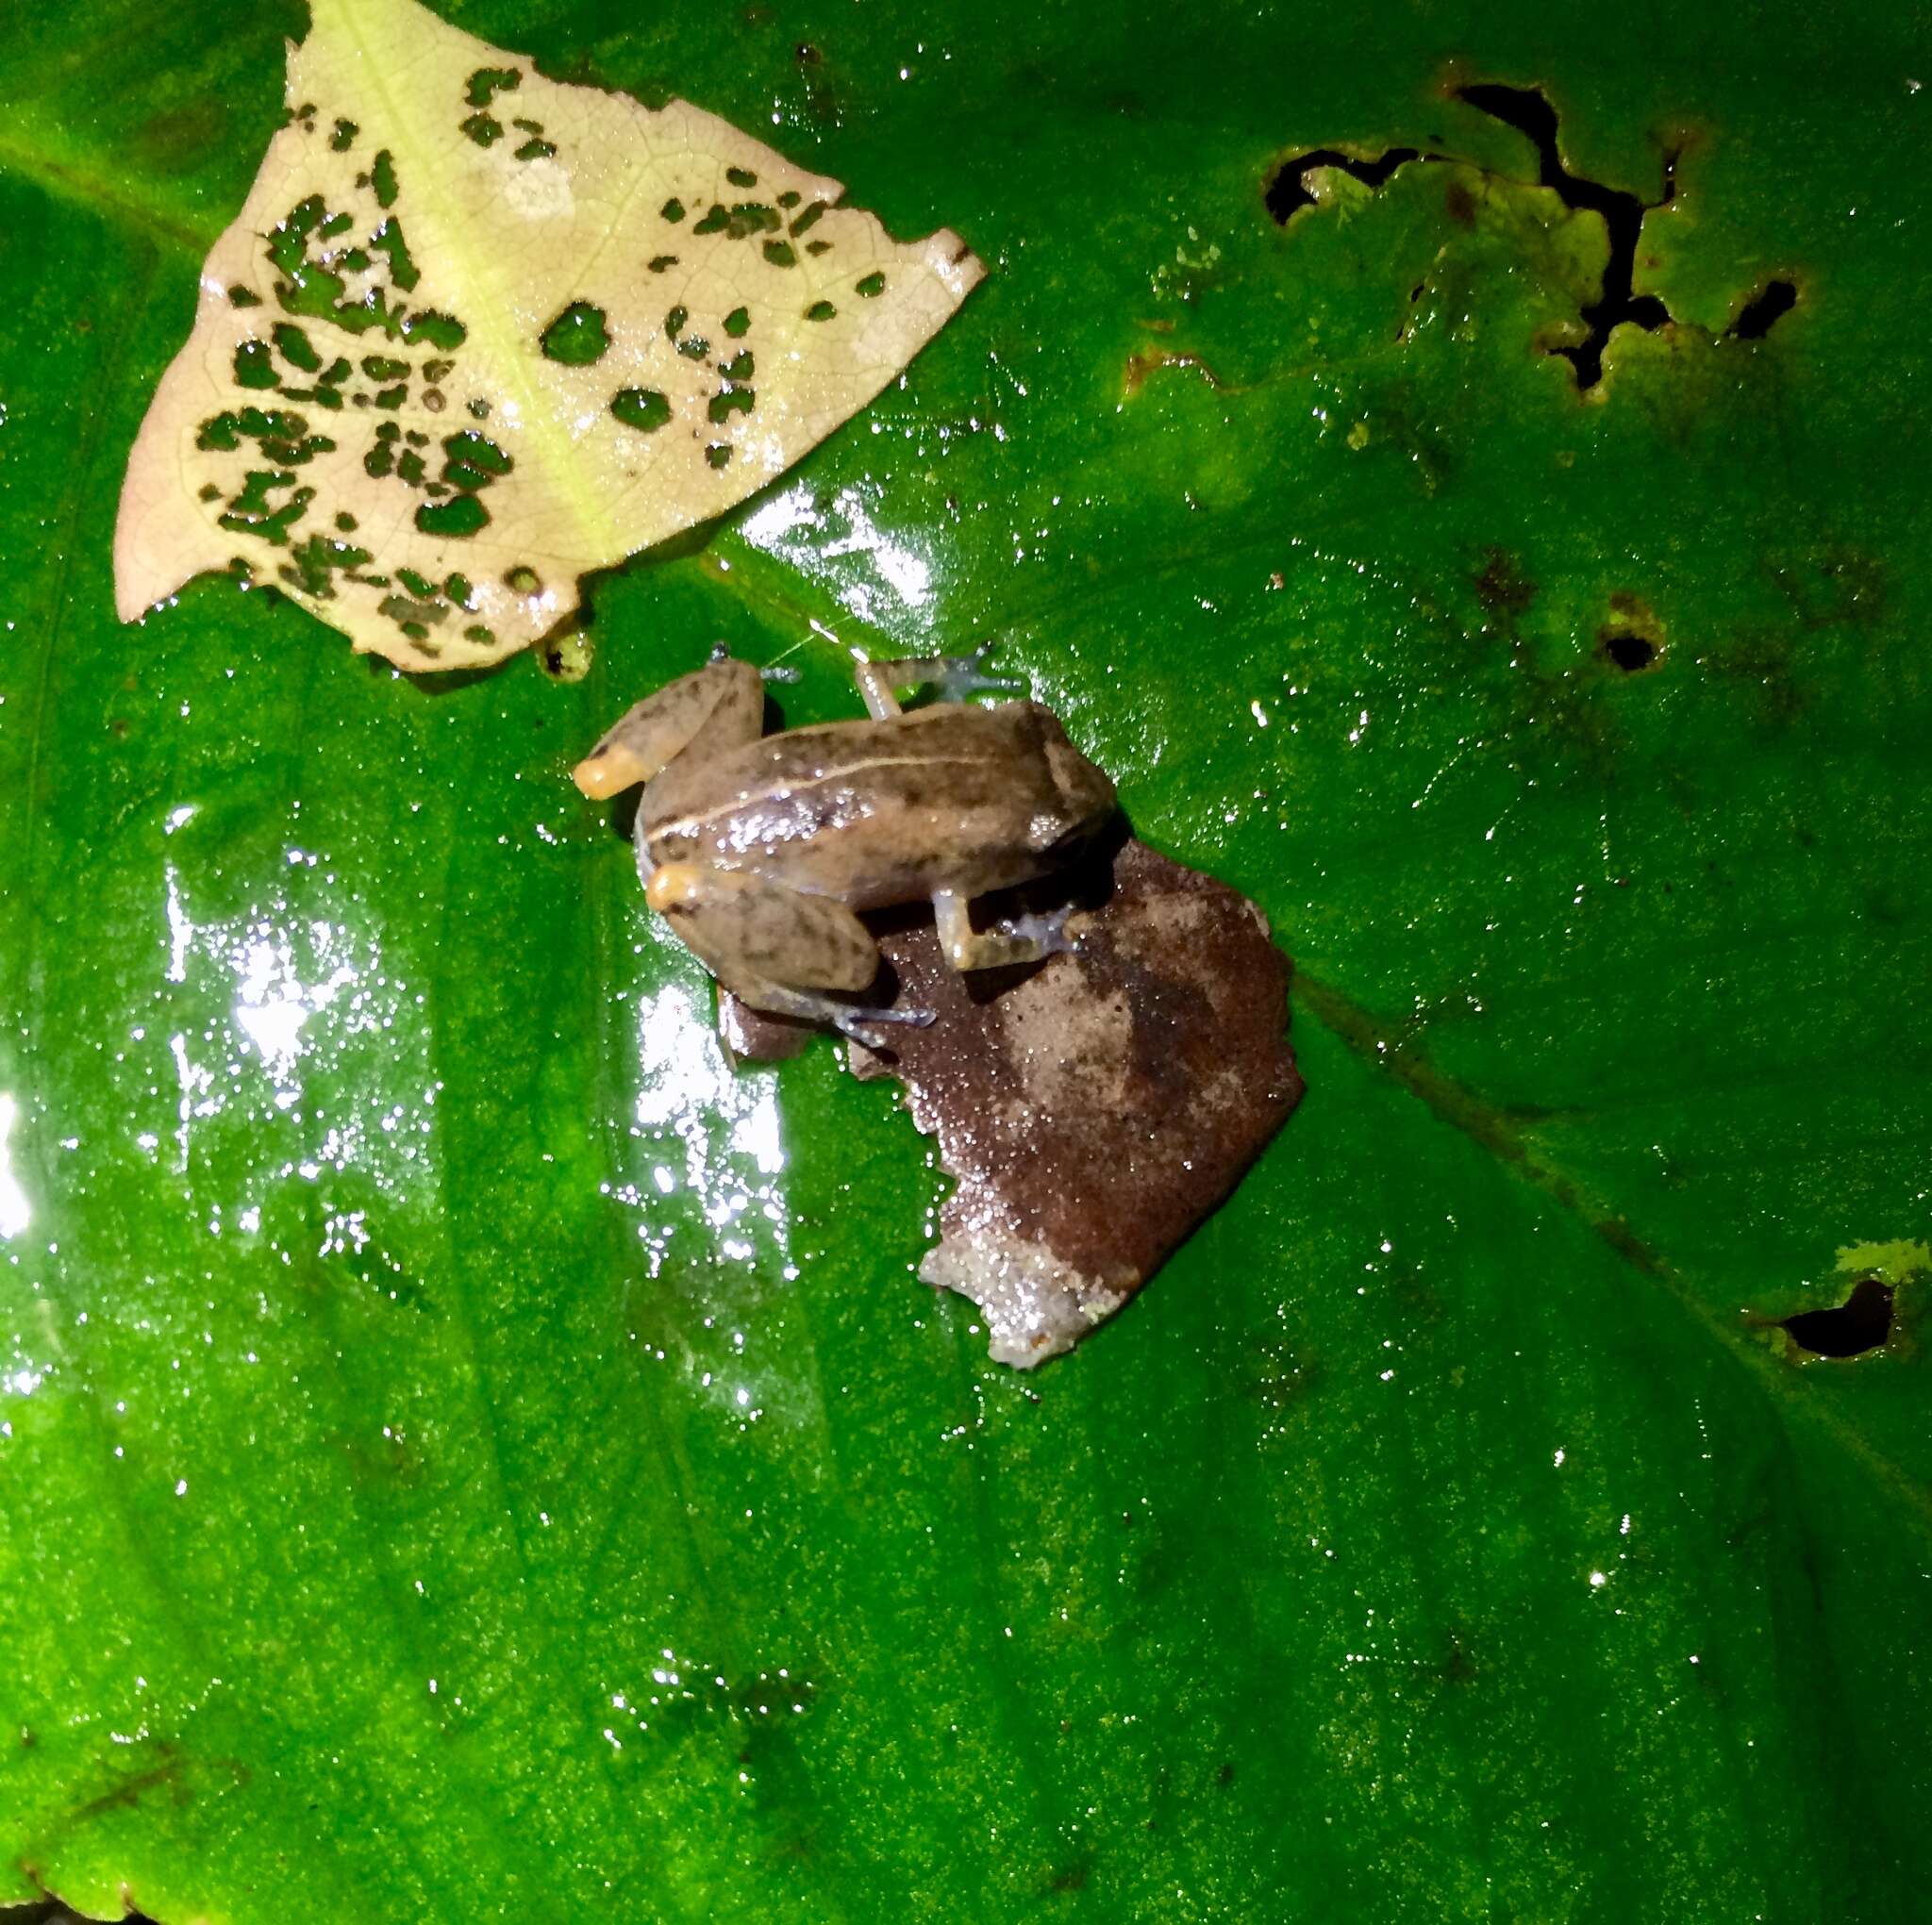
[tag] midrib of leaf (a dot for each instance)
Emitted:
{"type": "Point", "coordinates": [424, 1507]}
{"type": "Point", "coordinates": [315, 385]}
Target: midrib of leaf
{"type": "Point", "coordinates": [25, 151]}
{"type": "Point", "coordinates": [473, 267]}
{"type": "Point", "coordinates": [1484, 1124]}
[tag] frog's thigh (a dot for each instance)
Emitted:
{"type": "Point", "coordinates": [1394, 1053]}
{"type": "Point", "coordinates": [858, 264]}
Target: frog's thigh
{"type": "Point", "coordinates": [721, 706]}
{"type": "Point", "coordinates": [1024, 940]}
{"type": "Point", "coordinates": [751, 932]}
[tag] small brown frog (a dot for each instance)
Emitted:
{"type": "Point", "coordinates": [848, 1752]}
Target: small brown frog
{"type": "Point", "coordinates": [759, 850]}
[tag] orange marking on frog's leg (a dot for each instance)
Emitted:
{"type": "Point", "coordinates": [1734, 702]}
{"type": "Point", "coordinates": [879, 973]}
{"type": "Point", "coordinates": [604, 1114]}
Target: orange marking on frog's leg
{"type": "Point", "coordinates": [721, 706]}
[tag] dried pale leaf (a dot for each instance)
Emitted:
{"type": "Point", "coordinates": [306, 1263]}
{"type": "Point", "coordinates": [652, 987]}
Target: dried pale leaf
{"type": "Point", "coordinates": [476, 333]}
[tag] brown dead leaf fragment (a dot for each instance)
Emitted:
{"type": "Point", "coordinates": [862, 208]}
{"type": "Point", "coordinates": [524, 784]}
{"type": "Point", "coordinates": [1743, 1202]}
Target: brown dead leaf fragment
{"type": "Point", "coordinates": [1094, 1111]}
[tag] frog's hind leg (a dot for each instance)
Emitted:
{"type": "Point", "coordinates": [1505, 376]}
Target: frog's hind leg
{"type": "Point", "coordinates": [772, 946]}
{"type": "Point", "coordinates": [956, 679]}
{"type": "Point", "coordinates": [721, 706]}
{"type": "Point", "coordinates": [1024, 940]}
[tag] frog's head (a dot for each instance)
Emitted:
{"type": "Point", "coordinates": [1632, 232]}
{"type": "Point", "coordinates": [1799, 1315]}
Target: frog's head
{"type": "Point", "coordinates": [1086, 793]}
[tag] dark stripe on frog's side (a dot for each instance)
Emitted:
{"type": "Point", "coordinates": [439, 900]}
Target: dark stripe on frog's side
{"type": "Point", "coordinates": [883, 812]}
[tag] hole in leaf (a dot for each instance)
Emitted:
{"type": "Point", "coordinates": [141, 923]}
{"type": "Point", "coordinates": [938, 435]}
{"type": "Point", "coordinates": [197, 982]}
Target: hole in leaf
{"type": "Point", "coordinates": [1287, 196]}
{"type": "Point", "coordinates": [780, 254]}
{"type": "Point", "coordinates": [566, 656]}
{"type": "Point", "coordinates": [522, 579]}
{"type": "Point", "coordinates": [872, 284]}
{"type": "Point", "coordinates": [1629, 652]}
{"type": "Point", "coordinates": [1530, 114]}
{"type": "Point", "coordinates": [1860, 1323]}
{"type": "Point", "coordinates": [295, 348]}
{"type": "Point", "coordinates": [255, 365]}
{"type": "Point", "coordinates": [672, 210]}
{"type": "Point", "coordinates": [577, 337]}
{"type": "Point", "coordinates": [460, 516]}
{"type": "Point", "coordinates": [660, 261]}
{"type": "Point", "coordinates": [641, 407]}
{"type": "Point", "coordinates": [534, 149]}
{"type": "Point", "coordinates": [1527, 110]}
{"type": "Point", "coordinates": [740, 177]}
{"type": "Point", "coordinates": [1754, 323]}
{"type": "Point", "coordinates": [473, 461]}
{"type": "Point", "coordinates": [736, 321]}
{"type": "Point", "coordinates": [382, 177]}
{"type": "Point", "coordinates": [718, 454]}
{"type": "Point", "coordinates": [439, 330]}
{"type": "Point", "coordinates": [821, 310]}
{"type": "Point", "coordinates": [388, 239]}
{"type": "Point", "coordinates": [344, 138]}
{"type": "Point", "coordinates": [486, 83]}
{"type": "Point", "coordinates": [310, 565]}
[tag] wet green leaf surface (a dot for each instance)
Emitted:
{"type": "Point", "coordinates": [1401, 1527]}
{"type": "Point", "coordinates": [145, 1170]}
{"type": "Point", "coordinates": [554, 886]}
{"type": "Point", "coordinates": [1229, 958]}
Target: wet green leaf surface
{"type": "Point", "coordinates": [464, 1454]}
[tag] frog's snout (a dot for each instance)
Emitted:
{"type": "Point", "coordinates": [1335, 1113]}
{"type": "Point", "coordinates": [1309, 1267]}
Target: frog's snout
{"type": "Point", "coordinates": [1086, 791]}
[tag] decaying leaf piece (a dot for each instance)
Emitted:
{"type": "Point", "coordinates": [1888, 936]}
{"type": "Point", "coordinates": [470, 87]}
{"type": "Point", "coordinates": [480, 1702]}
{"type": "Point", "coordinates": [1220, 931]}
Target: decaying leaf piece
{"type": "Point", "coordinates": [1094, 1111]}
{"type": "Point", "coordinates": [476, 333]}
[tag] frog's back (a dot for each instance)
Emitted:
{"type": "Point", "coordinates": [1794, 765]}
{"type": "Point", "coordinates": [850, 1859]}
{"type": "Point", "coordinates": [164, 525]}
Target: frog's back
{"type": "Point", "coordinates": [874, 813]}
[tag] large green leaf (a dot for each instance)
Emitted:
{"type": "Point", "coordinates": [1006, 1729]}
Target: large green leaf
{"type": "Point", "coordinates": [464, 1454]}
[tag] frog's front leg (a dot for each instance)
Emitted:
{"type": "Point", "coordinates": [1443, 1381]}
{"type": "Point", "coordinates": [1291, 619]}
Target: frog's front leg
{"type": "Point", "coordinates": [721, 706]}
{"type": "Point", "coordinates": [1024, 940]}
{"type": "Point", "coordinates": [956, 677]}
{"type": "Point", "coordinates": [772, 946]}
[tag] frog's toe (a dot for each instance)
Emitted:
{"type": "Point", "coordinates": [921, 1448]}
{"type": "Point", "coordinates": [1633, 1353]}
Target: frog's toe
{"type": "Point", "coordinates": [1024, 940]}
{"type": "Point", "coordinates": [1047, 932]}
{"type": "Point", "coordinates": [807, 1005]}
{"type": "Point", "coordinates": [964, 677]}
{"type": "Point", "coordinates": [855, 1023]}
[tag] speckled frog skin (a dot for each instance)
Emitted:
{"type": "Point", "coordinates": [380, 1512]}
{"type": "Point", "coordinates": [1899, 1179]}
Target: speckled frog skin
{"type": "Point", "coordinates": [759, 849]}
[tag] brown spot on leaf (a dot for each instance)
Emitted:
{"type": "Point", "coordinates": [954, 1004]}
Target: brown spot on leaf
{"type": "Point", "coordinates": [1149, 360]}
{"type": "Point", "coordinates": [1502, 587]}
{"type": "Point", "coordinates": [1632, 638]}
{"type": "Point", "coordinates": [1862, 1322]}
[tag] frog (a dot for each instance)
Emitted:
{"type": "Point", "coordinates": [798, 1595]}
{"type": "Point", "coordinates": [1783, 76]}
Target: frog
{"type": "Point", "coordinates": [763, 852]}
